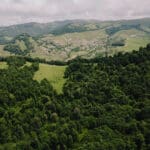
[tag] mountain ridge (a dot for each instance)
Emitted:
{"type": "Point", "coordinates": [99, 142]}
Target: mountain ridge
{"type": "Point", "coordinates": [51, 25]}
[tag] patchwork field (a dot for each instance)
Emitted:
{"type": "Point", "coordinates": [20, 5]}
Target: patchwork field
{"type": "Point", "coordinates": [52, 73]}
{"type": "Point", "coordinates": [87, 39]}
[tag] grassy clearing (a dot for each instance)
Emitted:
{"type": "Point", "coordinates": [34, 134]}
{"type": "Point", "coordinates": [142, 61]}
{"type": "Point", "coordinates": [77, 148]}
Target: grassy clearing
{"type": "Point", "coordinates": [28, 64]}
{"type": "Point", "coordinates": [3, 65]}
{"type": "Point", "coordinates": [52, 73]}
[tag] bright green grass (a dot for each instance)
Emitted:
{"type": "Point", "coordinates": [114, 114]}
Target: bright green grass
{"type": "Point", "coordinates": [132, 44]}
{"type": "Point", "coordinates": [52, 73]}
{"type": "Point", "coordinates": [3, 65]}
{"type": "Point", "coordinates": [28, 64]}
{"type": "Point", "coordinates": [84, 132]}
{"type": "Point", "coordinates": [135, 43]}
{"type": "Point", "coordinates": [134, 40]}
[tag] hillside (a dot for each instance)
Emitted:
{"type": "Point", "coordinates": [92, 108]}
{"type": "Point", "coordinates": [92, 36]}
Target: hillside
{"type": "Point", "coordinates": [104, 104]}
{"type": "Point", "coordinates": [65, 40]}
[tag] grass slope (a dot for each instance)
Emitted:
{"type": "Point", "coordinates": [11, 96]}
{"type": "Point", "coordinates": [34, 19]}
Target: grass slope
{"type": "Point", "coordinates": [133, 40]}
{"type": "Point", "coordinates": [52, 73]}
{"type": "Point", "coordinates": [3, 65]}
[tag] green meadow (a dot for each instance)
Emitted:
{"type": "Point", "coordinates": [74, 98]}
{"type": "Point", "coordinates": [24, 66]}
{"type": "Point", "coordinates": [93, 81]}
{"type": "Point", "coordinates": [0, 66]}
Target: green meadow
{"type": "Point", "coordinates": [3, 65]}
{"type": "Point", "coordinates": [52, 73]}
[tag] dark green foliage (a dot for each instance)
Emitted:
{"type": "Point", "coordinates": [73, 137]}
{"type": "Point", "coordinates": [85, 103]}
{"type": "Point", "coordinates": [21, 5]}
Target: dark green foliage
{"type": "Point", "coordinates": [113, 30]}
{"type": "Point", "coordinates": [118, 42]}
{"type": "Point", "coordinates": [3, 40]}
{"type": "Point", "coordinates": [12, 47]}
{"type": "Point", "coordinates": [32, 60]}
{"type": "Point", "coordinates": [70, 28]}
{"type": "Point", "coordinates": [105, 105]}
{"type": "Point", "coordinates": [112, 93]}
{"type": "Point", "coordinates": [15, 61]}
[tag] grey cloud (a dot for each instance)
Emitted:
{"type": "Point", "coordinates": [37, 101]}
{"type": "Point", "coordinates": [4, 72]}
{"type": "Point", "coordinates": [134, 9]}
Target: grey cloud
{"type": "Point", "coordinates": [20, 11]}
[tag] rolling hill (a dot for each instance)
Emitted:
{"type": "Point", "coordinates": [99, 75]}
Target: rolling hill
{"type": "Point", "coordinates": [65, 40]}
{"type": "Point", "coordinates": [104, 103]}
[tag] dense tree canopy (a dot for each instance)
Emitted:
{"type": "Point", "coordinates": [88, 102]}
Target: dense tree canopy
{"type": "Point", "coordinates": [105, 105]}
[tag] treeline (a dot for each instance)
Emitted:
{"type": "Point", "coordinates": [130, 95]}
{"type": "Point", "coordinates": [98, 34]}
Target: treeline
{"type": "Point", "coordinates": [70, 28]}
{"type": "Point", "coordinates": [39, 60]}
{"type": "Point", "coordinates": [111, 59]}
{"type": "Point", "coordinates": [105, 105]}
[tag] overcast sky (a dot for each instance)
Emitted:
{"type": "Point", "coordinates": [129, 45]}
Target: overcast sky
{"type": "Point", "coordinates": [21, 11]}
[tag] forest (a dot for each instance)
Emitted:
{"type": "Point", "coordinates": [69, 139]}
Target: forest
{"type": "Point", "coordinates": [105, 105]}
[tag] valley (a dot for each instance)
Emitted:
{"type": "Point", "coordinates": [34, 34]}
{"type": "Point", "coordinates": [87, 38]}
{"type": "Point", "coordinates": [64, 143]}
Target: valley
{"type": "Point", "coordinates": [67, 40]}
